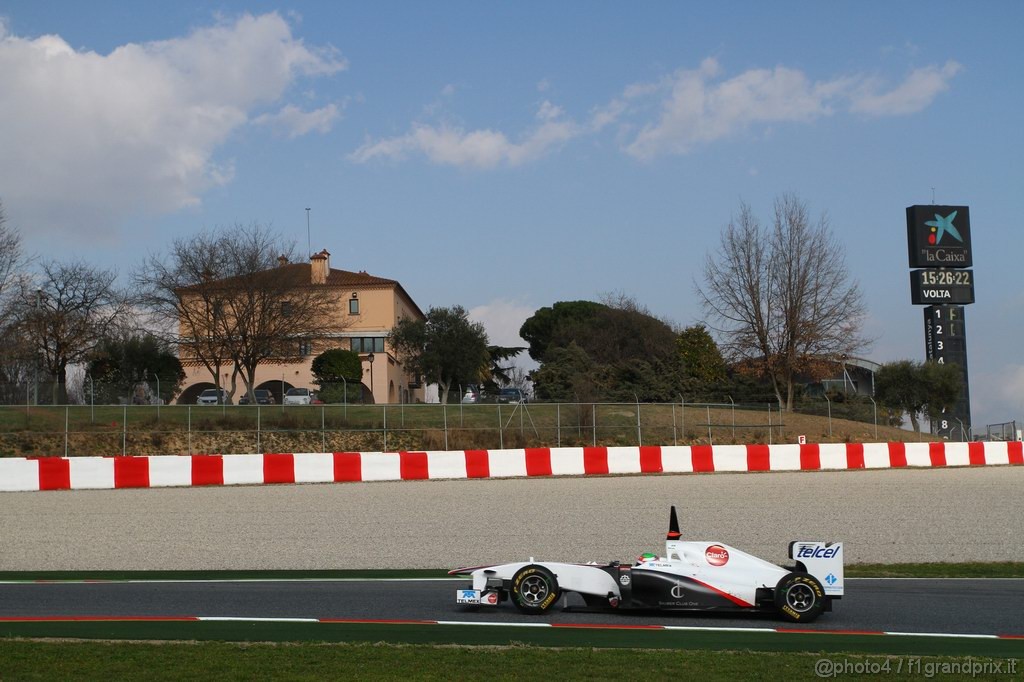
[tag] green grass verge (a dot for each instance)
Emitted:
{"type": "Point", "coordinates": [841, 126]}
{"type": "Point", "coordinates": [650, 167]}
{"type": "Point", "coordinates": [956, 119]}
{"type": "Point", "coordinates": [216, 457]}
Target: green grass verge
{"type": "Point", "coordinates": [1004, 569]}
{"type": "Point", "coordinates": [349, 574]}
{"type": "Point", "coordinates": [25, 660]}
{"type": "Point", "coordinates": [995, 569]}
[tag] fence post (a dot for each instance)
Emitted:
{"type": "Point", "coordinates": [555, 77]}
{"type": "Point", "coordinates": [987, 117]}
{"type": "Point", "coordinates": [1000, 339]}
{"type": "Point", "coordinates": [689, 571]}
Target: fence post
{"type": "Point", "coordinates": [66, 408]}
{"type": "Point", "coordinates": [501, 432]}
{"type": "Point", "coordinates": [829, 414]}
{"type": "Point", "coordinates": [190, 428]}
{"type": "Point", "coordinates": [639, 435]}
{"type": "Point", "coordinates": [675, 440]}
{"type": "Point", "coordinates": [558, 424]}
{"type": "Point", "coordinates": [874, 412]}
{"type": "Point", "coordinates": [385, 408]}
{"type": "Point", "coordinates": [124, 431]}
{"type": "Point", "coordinates": [444, 411]}
{"type": "Point", "coordinates": [711, 437]}
{"type": "Point", "coordinates": [733, 403]}
{"type": "Point", "coordinates": [682, 416]}
{"type": "Point", "coordinates": [782, 425]}
{"type": "Point", "coordinates": [769, 423]}
{"type": "Point", "coordinates": [593, 422]}
{"type": "Point", "coordinates": [258, 426]}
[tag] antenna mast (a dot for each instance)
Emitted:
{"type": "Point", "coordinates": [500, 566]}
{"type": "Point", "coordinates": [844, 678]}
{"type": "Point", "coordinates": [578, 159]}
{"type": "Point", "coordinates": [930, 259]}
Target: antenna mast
{"type": "Point", "coordinates": [309, 248]}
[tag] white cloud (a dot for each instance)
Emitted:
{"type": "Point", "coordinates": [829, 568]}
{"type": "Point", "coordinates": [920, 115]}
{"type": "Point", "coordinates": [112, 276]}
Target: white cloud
{"type": "Point", "coordinates": [549, 111]}
{"type": "Point", "coordinates": [452, 146]}
{"type": "Point", "coordinates": [918, 91]}
{"type": "Point", "coordinates": [698, 110]}
{"type": "Point", "coordinates": [88, 139]}
{"type": "Point", "coordinates": [673, 114]}
{"type": "Point", "coordinates": [502, 319]}
{"type": "Point", "coordinates": [295, 122]}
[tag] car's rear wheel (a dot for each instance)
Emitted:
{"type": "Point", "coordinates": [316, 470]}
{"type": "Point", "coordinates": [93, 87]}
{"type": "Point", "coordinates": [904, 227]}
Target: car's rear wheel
{"type": "Point", "coordinates": [534, 589]}
{"type": "Point", "coordinates": [799, 597]}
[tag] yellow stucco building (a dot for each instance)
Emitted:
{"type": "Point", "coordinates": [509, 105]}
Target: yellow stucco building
{"type": "Point", "coordinates": [366, 306]}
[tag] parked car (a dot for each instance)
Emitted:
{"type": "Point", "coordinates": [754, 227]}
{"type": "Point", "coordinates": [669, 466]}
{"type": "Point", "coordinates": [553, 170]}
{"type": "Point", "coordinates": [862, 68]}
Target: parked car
{"type": "Point", "coordinates": [211, 397]}
{"type": "Point", "coordinates": [511, 395]}
{"type": "Point", "coordinates": [299, 396]}
{"type": "Point", "coordinates": [471, 395]}
{"type": "Point", "coordinates": [263, 397]}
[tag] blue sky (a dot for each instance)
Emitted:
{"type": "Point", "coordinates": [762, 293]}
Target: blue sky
{"type": "Point", "coordinates": [504, 156]}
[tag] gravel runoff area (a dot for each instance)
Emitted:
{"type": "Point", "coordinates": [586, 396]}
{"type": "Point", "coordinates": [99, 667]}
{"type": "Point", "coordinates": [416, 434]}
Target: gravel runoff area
{"type": "Point", "coordinates": [892, 516]}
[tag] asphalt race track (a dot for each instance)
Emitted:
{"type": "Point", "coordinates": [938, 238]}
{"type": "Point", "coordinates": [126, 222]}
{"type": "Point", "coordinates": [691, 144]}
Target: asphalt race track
{"type": "Point", "coordinates": [951, 606]}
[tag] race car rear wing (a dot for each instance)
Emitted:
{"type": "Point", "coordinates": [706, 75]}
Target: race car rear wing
{"type": "Point", "coordinates": [823, 560]}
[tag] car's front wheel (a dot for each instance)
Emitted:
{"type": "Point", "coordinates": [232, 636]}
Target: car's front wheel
{"type": "Point", "coordinates": [534, 589]}
{"type": "Point", "coordinates": [799, 597]}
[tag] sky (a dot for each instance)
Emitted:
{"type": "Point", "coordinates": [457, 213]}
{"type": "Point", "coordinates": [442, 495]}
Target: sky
{"type": "Point", "coordinates": [504, 156]}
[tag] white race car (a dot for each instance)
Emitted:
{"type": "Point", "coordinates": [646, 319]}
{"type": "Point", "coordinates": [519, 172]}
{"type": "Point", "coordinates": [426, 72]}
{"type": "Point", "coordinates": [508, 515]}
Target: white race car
{"type": "Point", "coordinates": [692, 576]}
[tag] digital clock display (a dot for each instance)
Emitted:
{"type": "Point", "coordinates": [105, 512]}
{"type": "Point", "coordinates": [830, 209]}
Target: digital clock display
{"type": "Point", "coordinates": [941, 286]}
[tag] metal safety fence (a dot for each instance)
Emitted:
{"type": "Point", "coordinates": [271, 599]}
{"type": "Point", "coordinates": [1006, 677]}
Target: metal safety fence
{"type": "Point", "coordinates": [70, 430]}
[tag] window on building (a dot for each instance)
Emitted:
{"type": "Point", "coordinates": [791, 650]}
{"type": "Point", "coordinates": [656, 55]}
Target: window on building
{"type": "Point", "coordinates": [367, 344]}
{"type": "Point", "coordinates": [305, 347]}
{"type": "Point", "coordinates": [353, 306]}
{"type": "Point", "coordinates": [286, 308]}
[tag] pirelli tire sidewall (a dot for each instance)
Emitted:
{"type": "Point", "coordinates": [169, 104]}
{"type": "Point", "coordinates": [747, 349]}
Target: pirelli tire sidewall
{"type": "Point", "coordinates": [799, 598]}
{"type": "Point", "coordinates": [534, 589]}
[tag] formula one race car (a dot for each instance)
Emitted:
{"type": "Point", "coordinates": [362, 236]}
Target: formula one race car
{"type": "Point", "coordinates": [692, 576]}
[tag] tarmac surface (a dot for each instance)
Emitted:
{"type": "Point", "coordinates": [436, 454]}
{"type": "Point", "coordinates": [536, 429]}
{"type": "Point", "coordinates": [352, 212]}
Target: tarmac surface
{"type": "Point", "coordinates": [955, 606]}
{"type": "Point", "coordinates": [890, 516]}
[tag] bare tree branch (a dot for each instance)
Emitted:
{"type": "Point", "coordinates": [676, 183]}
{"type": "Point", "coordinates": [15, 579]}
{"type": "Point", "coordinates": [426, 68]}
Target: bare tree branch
{"type": "Point", "coordinates": [232, 303]}
{"type": "Point", "coordinates": [781, 298]}
{"type": "Point", "coordinates": [67, 312]}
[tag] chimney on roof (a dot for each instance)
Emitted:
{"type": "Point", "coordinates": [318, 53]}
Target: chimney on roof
{"type": "Point", "coordinates": [320, 267]}
{"type": "Point", "coordinates": [282, 260]}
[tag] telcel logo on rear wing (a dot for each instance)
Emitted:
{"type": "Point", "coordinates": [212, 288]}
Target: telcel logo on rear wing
{"type": "Point", "coordinates": [823, 560]}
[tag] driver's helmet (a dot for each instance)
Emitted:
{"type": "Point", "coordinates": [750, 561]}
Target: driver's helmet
{"type": "Point", "coordinates": [645, 557]}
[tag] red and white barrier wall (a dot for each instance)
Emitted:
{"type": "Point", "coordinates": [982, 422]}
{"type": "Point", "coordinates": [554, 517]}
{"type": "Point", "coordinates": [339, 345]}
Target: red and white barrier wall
{"type": "Point", "coordinates": [64, 473]}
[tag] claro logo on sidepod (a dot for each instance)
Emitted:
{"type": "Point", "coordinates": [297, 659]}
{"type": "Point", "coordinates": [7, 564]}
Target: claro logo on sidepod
{"type": "Point", "coordinates": [716, 555]}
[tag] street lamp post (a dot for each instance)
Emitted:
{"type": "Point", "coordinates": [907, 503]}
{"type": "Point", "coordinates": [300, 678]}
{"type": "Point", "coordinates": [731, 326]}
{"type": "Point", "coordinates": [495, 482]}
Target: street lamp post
{"type": "Point", "coordinates": [369, 359]}
{"type": "Point", "coordinates": [309, 244]}
{"type": "Point", "coordinates": [35, 383]}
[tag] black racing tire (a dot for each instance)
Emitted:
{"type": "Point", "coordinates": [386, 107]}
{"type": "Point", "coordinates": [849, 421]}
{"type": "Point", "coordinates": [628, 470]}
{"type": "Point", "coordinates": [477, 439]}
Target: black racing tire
{"type": "Point", "coordinates": [534, 589]}
{"type": "Point", "coordinates": [799, 598]}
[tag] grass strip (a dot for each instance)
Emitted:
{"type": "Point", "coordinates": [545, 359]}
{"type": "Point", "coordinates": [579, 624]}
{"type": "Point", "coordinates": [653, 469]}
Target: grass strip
{"type": "Point", "coordinates": [1003, 569]}
{"type": "Point", "coordinates": [240, 631]}
{"type": "Point", "coordinates": [31, 660]}
{"type": "Point", "coordinates": [978, 569]}
{"type": "Point", "coordinates": [349, 574]}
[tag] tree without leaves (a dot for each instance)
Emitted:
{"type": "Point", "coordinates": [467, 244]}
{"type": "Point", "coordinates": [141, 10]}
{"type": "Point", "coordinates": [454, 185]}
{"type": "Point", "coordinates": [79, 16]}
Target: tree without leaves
{"type": "Point", "coordinates": [13, 266]}
{"type": "Point", "coordinates": [446, 347]}
{"type": "Point", "coordinates": [228, 300]}
{"type": "Point", "coordinates": [782, 297]}
{"type": "Point", "coordinates": [17, 358]}
{"type": "Point", "coordinates": [72, 309]}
